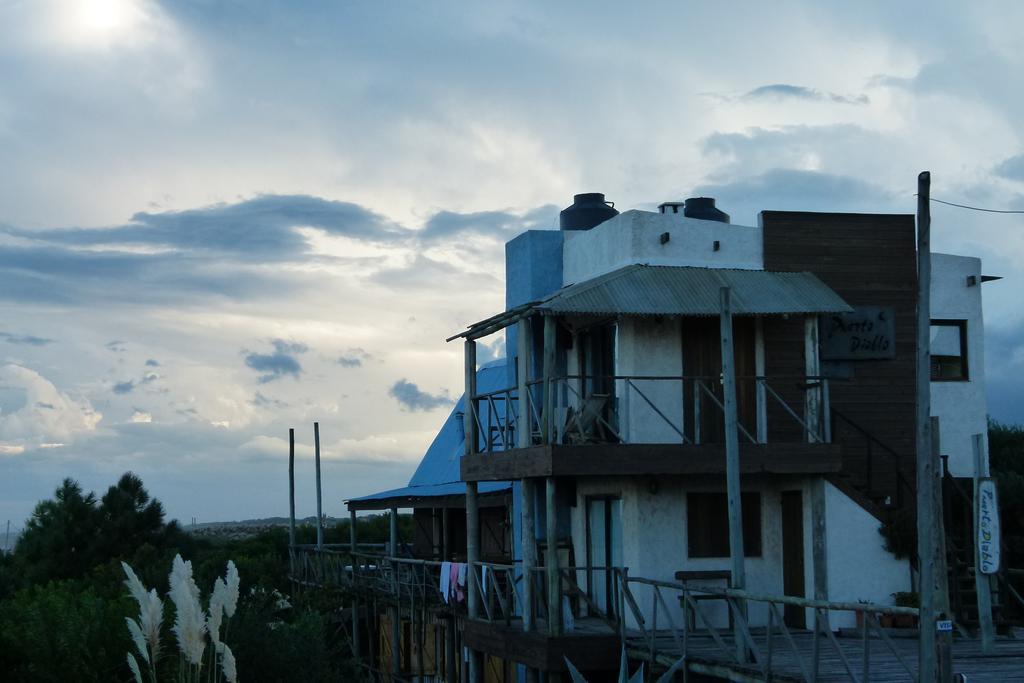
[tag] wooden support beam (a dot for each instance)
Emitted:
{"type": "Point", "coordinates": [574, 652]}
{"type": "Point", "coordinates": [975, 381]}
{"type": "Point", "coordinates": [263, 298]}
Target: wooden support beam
{"type": "Point", "coordinates": [982, 581]}
{"type": "Point", "coordinates": [760, 393]}
{"type": "Point", "coordinates": [472, 559]}
{"type": "Point", "coordinates": [352, 543]}
{"type": "Point", "coordinates": [435, 533]}
{"type": "Point", "coordinates": [524, 346]}
{"type": "Point", "coordinates": [529, 550]}
{"type": "Point", "coordinates": [819, 544]}
{"type": "Point", "coordinates": [812, 368]}
{"type": "Point", "coordinates": [319, 499]}
{"type": "Point", "coordinates": [469, 405]}
{"type": "Point", "coordinates": [291, 487]}
{"type": "Point", "coordinates": [551, 561]}
{"type": "Point", "coordinates": [732, 457]}
{"type": "Point", "coordinates": [547, 417]}
{"type": "Point", "coordinates": [925, 466]}
{"type": "Point", "coordinates": [396, 610]}
{"type": "Point", "coordinates": [446, 553]}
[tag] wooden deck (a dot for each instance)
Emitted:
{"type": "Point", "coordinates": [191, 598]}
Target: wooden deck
{"type": "Point", "coordinates": [1004, 665]}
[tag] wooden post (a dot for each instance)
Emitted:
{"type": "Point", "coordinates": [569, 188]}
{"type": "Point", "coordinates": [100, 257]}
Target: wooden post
{"type": "Point", "coordinates": [319, 500]}
{"type": "Point", "coordinates": [529, 551]}
{"type": "Point", "coordinates": [451, 656]}
{"type": "Point", "coordinates": [435, 533]}
{"type": "Point", "coordinates": [352, 539]}
{"type": "Point", "coordinates": [981, 581]}
{"type": "Point", "coordinates": [469, 404]}
{"type": "Point", "coordinates": [819, 561]}
{"type": "Point", "coordinates": [547, 417]}
{"type": "Point", "coordinates": [524, 343]}
{"type": "Point", "coordinates": [472, 508]}
{"type": "Point", "coordinates": [291, 487]}
{"type": "Point", "coordinates": [356, 649]}
{"type": "Point", "coordinates": [472, 559]}
{"type": "Point", "coordinates": [732, 459]}
{"type": "Point", "coordinates": [551, 561]}
{"type": "Point", "coordinates": [925, 466]}
{"type": "Point", "coordinates": [812, 368]}
{"type": "Point", "coordinates": [445, 547]}
{"type": "Point", "coordinates": [944, 639]}
{"type": "Point", "coordinates": [760, 392]}
{"type": "Point", "coordinates": [396, 610]}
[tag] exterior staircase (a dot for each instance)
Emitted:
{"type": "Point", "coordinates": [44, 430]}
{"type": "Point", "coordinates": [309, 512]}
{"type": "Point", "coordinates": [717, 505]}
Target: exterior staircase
{"type": "Point", "coordinates": [888, 500]}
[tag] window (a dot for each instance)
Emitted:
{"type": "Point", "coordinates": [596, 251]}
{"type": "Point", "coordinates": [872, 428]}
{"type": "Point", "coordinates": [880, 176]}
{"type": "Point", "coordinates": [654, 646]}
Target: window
{"type": "Point", "coordinates": [707, 524]}
{"type": "Point", "coordinates": [948, 344]}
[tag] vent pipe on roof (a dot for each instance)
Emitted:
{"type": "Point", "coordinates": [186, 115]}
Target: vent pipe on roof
{"type": "Point", "coordinates": [704, 209]}
{"type": "Point", "coordinates": [588, 210]}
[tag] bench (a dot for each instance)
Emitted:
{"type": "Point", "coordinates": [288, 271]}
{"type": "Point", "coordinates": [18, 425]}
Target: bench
{"type": "Point", "coordinates": [701, 577]}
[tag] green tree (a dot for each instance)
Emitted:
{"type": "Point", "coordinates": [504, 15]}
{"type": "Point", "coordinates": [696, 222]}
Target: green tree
{"type": "Point", "coordinates": [58, 540]}
{"type": "Point", "coordinates": [128, 518]}
{"type": "Point", "coordinates": [1006, 460]}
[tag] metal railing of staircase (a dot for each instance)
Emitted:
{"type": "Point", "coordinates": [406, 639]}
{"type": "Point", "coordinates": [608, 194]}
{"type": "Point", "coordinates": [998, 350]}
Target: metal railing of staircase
{"type": "Point", "coordinates": [871, 444]}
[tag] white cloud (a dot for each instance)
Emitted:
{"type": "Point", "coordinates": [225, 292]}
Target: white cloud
{"type": "Point", "coordinates": [46, 416]}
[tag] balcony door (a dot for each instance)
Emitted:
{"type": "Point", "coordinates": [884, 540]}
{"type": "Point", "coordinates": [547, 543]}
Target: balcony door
{"type": "Point", "coordinates": [604, 548]}
{"type": "Point", "coordinates": [702, 358]}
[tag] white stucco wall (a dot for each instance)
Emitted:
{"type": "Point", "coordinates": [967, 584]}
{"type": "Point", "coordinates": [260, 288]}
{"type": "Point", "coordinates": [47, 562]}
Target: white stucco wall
{"type": "Point", "coordinates": [859, 566]}
{"type": "Point", "coordinates": [654, 545]}
{"type": "Point", "coordinates": [654, 537]}
{"type": "Point", "coordinates": [653, 348]}
{"type": "Point", "coordinates": [634, 237]}
{"type": "Point", "coordinates": [960, 406]}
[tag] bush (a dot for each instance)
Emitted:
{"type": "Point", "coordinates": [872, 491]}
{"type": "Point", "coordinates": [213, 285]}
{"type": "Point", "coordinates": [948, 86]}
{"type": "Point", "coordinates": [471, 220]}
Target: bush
{"type": "Point", "coordinates": [63, 631]}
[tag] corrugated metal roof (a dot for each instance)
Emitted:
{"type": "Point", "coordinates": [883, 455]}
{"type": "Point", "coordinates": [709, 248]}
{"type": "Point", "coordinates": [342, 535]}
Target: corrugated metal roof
{"type": "Point", "coordinates": [439, 473]}
{"type": "Point", "coordinates": [682, 290]}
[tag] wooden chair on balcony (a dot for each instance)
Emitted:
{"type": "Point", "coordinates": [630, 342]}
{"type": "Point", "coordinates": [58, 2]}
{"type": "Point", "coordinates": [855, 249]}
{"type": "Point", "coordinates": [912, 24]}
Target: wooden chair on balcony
{"type": "Point", "coordinates": [586, 426]}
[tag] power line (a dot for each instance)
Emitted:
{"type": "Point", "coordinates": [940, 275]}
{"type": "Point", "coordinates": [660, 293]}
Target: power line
{"type": "Point", "coordinates": [972, 208]}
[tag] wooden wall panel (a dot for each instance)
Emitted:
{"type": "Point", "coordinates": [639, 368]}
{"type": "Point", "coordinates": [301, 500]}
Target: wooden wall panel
{"type": "Point", "coordinates": [868, 259]}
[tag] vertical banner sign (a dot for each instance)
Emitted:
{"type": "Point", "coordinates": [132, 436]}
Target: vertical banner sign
{"type": "Point", "coordinates": [988, 527]}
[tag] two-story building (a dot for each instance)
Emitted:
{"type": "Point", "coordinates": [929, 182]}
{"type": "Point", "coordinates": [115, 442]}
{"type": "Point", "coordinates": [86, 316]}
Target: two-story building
{"type": "Point", "coordinates": [594, 456]}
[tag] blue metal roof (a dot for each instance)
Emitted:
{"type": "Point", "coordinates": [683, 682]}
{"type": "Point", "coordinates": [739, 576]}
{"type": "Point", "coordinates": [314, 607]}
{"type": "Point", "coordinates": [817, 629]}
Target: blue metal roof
{"type": "Point", "coordinates": [438, 473]}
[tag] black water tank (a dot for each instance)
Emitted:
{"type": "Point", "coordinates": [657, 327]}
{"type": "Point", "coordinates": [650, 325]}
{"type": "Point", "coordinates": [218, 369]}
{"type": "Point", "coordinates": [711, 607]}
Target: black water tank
{"type": "Point", "coordinates": [704, 209]}
{"type": "Point", "coordinates": [587, 210]}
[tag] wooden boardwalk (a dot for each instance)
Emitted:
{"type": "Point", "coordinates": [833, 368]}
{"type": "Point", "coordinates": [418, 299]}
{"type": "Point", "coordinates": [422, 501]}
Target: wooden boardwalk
{"type": "Point", "coordinates": [1004, 665]}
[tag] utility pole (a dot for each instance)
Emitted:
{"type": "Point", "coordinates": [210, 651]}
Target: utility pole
{"type": "Point", "coordinates": [319, 506]}
{"type": "Point", "coordinates": [925, 465]}
{"type": "Point", "coordinates": [291, 490]}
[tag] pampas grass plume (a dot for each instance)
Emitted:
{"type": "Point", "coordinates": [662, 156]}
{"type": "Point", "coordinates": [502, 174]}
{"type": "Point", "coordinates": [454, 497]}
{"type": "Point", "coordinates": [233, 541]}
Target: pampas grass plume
{"type": "Point", "coordinates": [227, 663]}
{"type": "Point", "coordinates": [189, 624]}
{"type": "Point", "coordinates": [134, 666]}
{"type": "Point", "coordinates": [231, 600]}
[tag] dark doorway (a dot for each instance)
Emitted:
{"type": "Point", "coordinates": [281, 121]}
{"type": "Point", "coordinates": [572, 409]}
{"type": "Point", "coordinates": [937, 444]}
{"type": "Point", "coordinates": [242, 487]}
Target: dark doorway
{"type": "Point", "coordinates": [702, 358]}
{"type": "Point", "coordinates": [793, 555]}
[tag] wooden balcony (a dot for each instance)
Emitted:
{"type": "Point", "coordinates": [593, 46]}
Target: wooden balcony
{"type": "Point", "coordinates": [648, 425]}
{"type": "Point", "coordinates": [649, 459]}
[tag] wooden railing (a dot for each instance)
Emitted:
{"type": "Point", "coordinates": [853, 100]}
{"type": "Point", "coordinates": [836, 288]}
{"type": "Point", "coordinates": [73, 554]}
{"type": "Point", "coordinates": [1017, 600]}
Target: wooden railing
{"type": "Point", "coordinates": [577, 409]}
{"type": "Point", "coordinates": [741, 646]}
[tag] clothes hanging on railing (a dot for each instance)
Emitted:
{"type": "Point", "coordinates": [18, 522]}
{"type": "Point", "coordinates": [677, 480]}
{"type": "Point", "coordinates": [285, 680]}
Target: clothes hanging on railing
{"type": "Point", "coordinates": [460, 583]}
{"type": "Point", "coordinates": [446, 580]}
{"type": "Point", "coordinates": [484, 570]}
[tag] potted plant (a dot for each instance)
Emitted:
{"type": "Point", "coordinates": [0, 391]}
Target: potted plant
{"type": "Point", "coordinates": [906, 599]}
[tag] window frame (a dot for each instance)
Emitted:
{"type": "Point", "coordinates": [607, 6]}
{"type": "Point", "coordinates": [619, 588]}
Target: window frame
{"type": "Point", "coordinates": [965, 374]}
{"type": "Point", "coordinates": [748, 535]}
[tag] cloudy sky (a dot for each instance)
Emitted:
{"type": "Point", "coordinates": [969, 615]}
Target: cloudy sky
{"type": "Point", "coordinates": [222, 219]}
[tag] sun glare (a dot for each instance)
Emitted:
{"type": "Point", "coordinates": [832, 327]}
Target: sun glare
{"type": "Point", "coordinates": [100, 23]}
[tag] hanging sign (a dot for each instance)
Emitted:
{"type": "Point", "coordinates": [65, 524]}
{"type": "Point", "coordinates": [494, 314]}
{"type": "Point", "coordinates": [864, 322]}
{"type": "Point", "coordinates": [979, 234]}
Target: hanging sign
{"type": "Point", "coordinates": [868, 333]}
{"type": "Point", "coordinates": [988, 527]}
